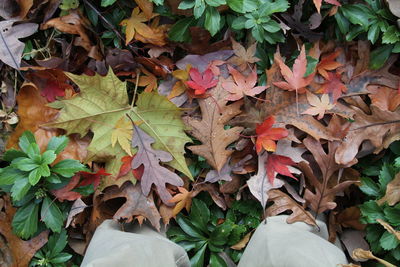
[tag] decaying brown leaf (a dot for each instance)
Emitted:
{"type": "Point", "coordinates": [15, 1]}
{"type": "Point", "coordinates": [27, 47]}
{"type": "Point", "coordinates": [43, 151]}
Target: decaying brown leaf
{"type": "Point", "coordinates": [20, 251]}
{"type": "Point", "coordinates": [210, 129]}
{"type": "Point", "coordinates": [389, 228]}
{"type": "Point", "coordinates": [327, 185]}
{"type": "Point", "coordinates": [282, 203]}
{"type": "Point", "coordinates": [242, 243]}
{"type": "Point", "coordinates": [136, 204]}
{"type": "Point", "coordinates": [361, 254]}
{"type": "Point", "coordinates": [350, 218]}
{"type": "Point", "coordinates": [392, 195]}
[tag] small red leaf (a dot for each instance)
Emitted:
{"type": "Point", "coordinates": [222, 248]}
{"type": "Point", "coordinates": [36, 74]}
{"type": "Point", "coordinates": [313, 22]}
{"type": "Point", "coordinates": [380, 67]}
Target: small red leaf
{"type": "Point", "coordinates": [201, 82]}
{"type": "Point", "coordinates": [278, 164]}
{"type": "Point", "coordinates": [266, 135]}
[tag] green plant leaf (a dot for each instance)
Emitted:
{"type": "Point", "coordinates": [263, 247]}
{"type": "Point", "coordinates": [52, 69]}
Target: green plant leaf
{"type": "Point", "coordinates": [68, 167]}
{"type": "Point", "coordinates": [217, 261]}
{"type": "Point", "coordinates": [19, 189]}
{"type": "Point", "coordinates": [379, 56]}
{"type": "Point", "coordinates": [388, 241]}
{"type": "Point", "coordinates": [393, 215]}
{"type": "Point", "coordinates": [357, 14]}
{"type": "Point", "coordinates": [373, 33]}
{"type": "Point", "coordinates": [239, 23]}
{"type": "Point", "coordinates": [199, 214]}
{"type": "Point", "coordinates": [198, 259]}
{"type": "Point", "coordinates": [8, 175]}
{"type": "Point", "coordinates": [180, 31]}
{"type": "Point", "coordinates": [57, 143]}
{"type": "Point", "coordinates": [25, 140]}
{"type": "Point", "coordinates": [369, 187]}
{"type": "Point", "coordinates": [243, 6]}
{"type": "Point", "coordinates": [51, 215]}
{"type": "Point", "coordinates": [106, 3]}
{"type": "Point", "coordinates": [25, 220]}
{"type": "Point", "coordinates": [33, 150]}
{"type": "Point", "coordinates": [212, 20]}
{"type": "Point", "coordinates": [186, 4]}
{"type": "Point", "coordinates": [24, 164]}
{"type": "Point", "coordinates": [221, 233]}
{"type": "Point", "coordinates": [372, 211]}
{"type": "Point", "coordinates": [215, 3]}
{"type": "Point", "coordinates": [391, 35]}
{"type": "Point", "coordinates": [12, 154]}
{"type": "Point", "coordinates": [48, 157]}
{"type": "Point", "coordinates": [188, 228]}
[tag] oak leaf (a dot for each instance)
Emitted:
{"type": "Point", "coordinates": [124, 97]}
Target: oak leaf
{"type": "Point", "coordinates": [210, 129]}
{"type": "Point", "coordinates": [319, 106]}
{"type": "Point", "coordinates": [266, 135]}
{"type": "Point", "coordinates": [384, 97]}
{"type": "Point", "coordinates": [278, 164]}
{"type": "Point", "coordinates": [243, 57]}
{"type": "Point", "coordinates": [294, 80]}
{"type": "Point", "coordinates": [200, 83]}
{"type": "Point", "coordinates": [153, 172]}
{"type": "Point", "coordinates": [241, 85]}
{"type": "Point", "coordinates": [136, 204]}
{"type": "Point", "coordinates": [21, 251]}
{"type": "Point", "coordinates": [225, 173]}
{"type": "Point", "coordinates": [259, 184]}
{"type": "Point", "coordinates": [329, 184]}
{"type": "Point", "coordinates": [283, 202]}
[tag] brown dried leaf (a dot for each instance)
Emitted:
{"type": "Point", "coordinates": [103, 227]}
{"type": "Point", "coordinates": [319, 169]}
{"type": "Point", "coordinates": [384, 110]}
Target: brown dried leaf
{"type": "Point", "coordinates": [392, 195]}
{"type": "Point", "coordinates": [136, 204]}
{"type": "Point", "coordinates": [377, 127]}
{"type": "Point", "coordinates": [242, 243]}
{"type": "Point", "coordinates": [243, 57]}
{"type": "Point", "coordinates": [21, 251]}
{"type": "Point", "coordinates": [384, 97]}
{"type": "Point", "coordinates": [325, 188]}
{"type": "Point", "coordinates": [282, 203]}
{"type": "Point", "coordinates": [350, 218]}
{"type": "Point", "coordinates": [362, 255]}
{"type": "Point", "coordinates": [200, 43]}
{"type": "Point", "coordinates": [389, 228]}
{"type": "Point", "coordinates": [210, 129]}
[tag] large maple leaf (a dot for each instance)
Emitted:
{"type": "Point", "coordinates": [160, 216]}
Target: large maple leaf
{"type": "Point", "coordinates": [266, 135]}
{"type": "Point", "coordinates": [241, 85]}
{"type": "Point", "coordinates": [153, 172]}
{"type": "Point", "coordinates": [294, 80]}
{"type": "Point", "coordinates": [103, 101]}
{"type": "Point", "coordinates": [210, 129]}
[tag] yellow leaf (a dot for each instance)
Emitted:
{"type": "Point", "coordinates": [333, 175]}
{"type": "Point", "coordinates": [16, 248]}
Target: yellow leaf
{"type": "Point", "coordinates": [182, 200]}
{"type": "Point", "coordinates": [242, 243]}
{"type": "Point", "coordinates": [178, 89]}
{"type": "Point", "coordinates": [158, 36]}
{"type": "Point", "coordinates": [146, 6]}
{"type": "Point", "coordinates": [148, 80]}
{"type": "Point", "coordinates": [134, 25]}
{"type": "Point", "coordinates": [182, 75]}
{"type": "Point", "coordinates": [122, 133]}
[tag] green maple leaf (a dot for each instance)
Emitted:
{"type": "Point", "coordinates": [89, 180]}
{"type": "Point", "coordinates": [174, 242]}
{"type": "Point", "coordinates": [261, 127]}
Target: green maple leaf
{"type": "Point", "coordinates": [102, 101]}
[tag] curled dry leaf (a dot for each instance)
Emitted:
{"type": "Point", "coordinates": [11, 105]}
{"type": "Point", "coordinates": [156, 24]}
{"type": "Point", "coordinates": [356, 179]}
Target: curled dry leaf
{"type": "Point", "coordinates": [392, 194]}
{"type": "Point", "coordinates": [210, 129]}
{"type": "Point", "coordinates": [389, 228]}
{"type": "Point", "coordinates": [75, 23]}
{"type": "Point", "coordinates": [363, 255]}
{"type": "Point", "coordinates": [283, 202]}
{"type": "Point", "coordinates": [20, 251]}
{"type": "Point", "coordinates": [242, 243]}
{"type": "Point", "coordinates": [243, 57]}
{"type": "Point", "coordinates": [77, 207]}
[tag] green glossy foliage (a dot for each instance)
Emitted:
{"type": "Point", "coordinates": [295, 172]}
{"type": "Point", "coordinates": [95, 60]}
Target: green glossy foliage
{"type": "Point", "coordinates": [207, 231]}
{"type": "Point", "coordinates": [373, 185]}
{"type": "Point", "coordinates": [29, 178]}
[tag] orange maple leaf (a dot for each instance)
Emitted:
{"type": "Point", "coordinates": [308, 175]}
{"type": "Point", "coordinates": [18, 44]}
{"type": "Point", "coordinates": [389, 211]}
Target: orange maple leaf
{"type": "Point", "coordinates": [182, 200]}
{"type": "Point", "coordinates": [333, 85]}
{"type": "Point", "coordinates": [266, 135]}
{"type": "Point", "coordinates": [295, 80]}
{"type": "Point", "coordinates": [328, 63]}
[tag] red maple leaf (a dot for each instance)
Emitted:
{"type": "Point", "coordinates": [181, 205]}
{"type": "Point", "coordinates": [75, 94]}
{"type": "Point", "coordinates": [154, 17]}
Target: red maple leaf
{"type": "Point", "coordinates": [127, 166]}
{"type": "Point", "coordinates": [79, 179]}
{"type": "Point", "coordinates": [201, 82]}
{"type": "Point", "coordinates": [88, 178]}
{"type": "Point", "coordinates": [278, 164]}
{"type": "Point", "coordinates": [266, 135]}
{"type": "Point", "coordinates": [333, 85]}
{"type": "Point", "coordinates": [52, 90]}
